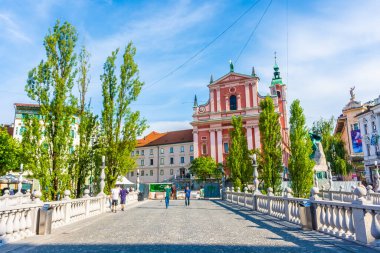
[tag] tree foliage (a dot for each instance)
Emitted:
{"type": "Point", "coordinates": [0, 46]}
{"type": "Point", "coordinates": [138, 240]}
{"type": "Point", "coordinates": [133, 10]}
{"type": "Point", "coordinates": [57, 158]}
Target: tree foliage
{"type": "Point", "coordinates": [271, 153]}
{"type": "Point", "coordinates": [333, 146]}
{"type": "Point", "coordinates": [120, 125]}
{"type": "Point", "coordinates": [84, 154]}
{"type": "Point", "coordinates": [300, 164]}
{"type": "Point", "coordinates": [10, 152]}
{"type": "Point", "coordinates": [50, 85]}
{"type": "Point", "coordinates": [205, 167]}
{"type": "Point", "coordinates": [238, 160]}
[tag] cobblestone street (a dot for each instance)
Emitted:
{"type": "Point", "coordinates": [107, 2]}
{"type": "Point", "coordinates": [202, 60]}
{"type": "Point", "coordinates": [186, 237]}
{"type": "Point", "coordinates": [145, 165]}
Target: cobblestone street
{"type": "Point", "coordinates": [205, 226]}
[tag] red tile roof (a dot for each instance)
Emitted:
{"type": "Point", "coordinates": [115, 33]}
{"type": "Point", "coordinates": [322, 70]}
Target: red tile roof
{"type": "Point", "coordinates": [173, 137]}
{"type": "Point", "coordinates": [26, 105]}
{"type": "Point", "coordinates": [149, 138]}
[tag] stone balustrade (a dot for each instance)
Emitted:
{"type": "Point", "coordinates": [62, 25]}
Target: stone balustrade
{"type": "Point", "coordinates": [20, 221]}
{"type": "Point", "coordinates": [14, 200]}
{"type": "Point", "coordinates": [358, 220]}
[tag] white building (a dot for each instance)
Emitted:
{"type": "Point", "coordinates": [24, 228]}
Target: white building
{"type": "Point", "coordinates": [369, 122]}
{"type": "Point", "coordinates": [162, 157]}
{"type": "Point", "coordinates": [21, 110]}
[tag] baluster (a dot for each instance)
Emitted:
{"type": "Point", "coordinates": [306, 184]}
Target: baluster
{"type": "Point", "coordinates": [350, 227]}
{"type": "Point", "coordinates": [9, 230]}
{"type": "Point", "coordinates": [22, 224]}
{"type": "Point", "coordinates": [28, 227]}
{"type": "Point", "coordinates": [3, 222]}
{"type": "Point", "coordinates": [323, 218]}
{"type": "Point", "coordinates": [16, 225]}
{"type": "Point", "coordinates": [334, 220]}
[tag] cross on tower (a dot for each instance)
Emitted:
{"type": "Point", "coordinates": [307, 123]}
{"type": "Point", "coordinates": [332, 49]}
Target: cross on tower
{"type": "Point", "coordinates": [275, 57]}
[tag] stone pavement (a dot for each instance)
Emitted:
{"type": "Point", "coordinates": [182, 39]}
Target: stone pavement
{"type": "Point", "coordinates": [205, 226]}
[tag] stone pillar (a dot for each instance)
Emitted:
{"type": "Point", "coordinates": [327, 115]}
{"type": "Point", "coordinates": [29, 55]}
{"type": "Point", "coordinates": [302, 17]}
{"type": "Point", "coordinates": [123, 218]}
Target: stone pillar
{"type": "Point", "coordinates": [218, 100]}
{"type": "Point", "coordinates": [238, 97]}
{"type": "Point", "coordinates": [254, 94]}
{"type": "Point", "coordinates": [212, 144]}
{"type": "Point", "coordinates": [227, 104]}
{"type": "Point", "coordinates": [212, 100]}
{"type": "Point", "coordinates": [196, 150]}
{"type": "Point", "coordinates": [257, 136]}
{"type": "Point", "coordinates": [249, 137]}
{"type": "Point", "coordinates": [247, 96]}
{"type": "Point", "coordinates": [220, 145]}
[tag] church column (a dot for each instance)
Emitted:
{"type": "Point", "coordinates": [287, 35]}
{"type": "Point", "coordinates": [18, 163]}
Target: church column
{"type": "Point", "coordinates": [220, 145]}
{"type": "Point", "coordinates": [247, 96]}
{"type": "Point", "coordinates": [195, 143]}
{"type": "Point", "coordinates": [218, 99]}
{"type": "Point", "coordinates": [249, 137]}
{"type": "Point", "coordinates": [238, 97]}
{"type": "Point", "coordinates": [257, 136]}
{"type": "Point", "coordinates": [212, 144]}
{"type": "Point", "coordinates": [212, 100]}
{"type": "Point", "coordinates": [227, 103]}
{"type": "Point", "coordinates": [253, 89]}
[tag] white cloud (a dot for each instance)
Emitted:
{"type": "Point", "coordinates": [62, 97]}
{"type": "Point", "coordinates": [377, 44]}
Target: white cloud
{"type": "Point", "coordinates": [9, 29]}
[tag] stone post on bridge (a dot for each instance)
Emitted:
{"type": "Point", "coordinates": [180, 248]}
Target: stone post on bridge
{"type": "Point", "coordinates": [256, 190]}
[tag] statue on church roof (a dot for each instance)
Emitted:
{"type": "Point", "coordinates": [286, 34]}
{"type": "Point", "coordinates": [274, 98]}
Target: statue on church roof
{"type": "Point", "coordinates": [352, 93]}
{"type": "Point", "coordinates": [231, 66]}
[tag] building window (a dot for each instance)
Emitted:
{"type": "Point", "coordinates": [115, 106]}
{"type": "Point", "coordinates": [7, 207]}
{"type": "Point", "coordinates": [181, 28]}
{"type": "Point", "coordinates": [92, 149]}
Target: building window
{"type": "Point", "coordinates": [171, 172]}
{"type": "Point", "coordinates": [171, 150]}
{"type": "Point", "coordinates": [151, 161]}
{"type": "Point", "coordinates": [132, 153]}
{"type": "Point", "coordinates": [191, 158]}
{"type": "Point", "coordinates": [191, 148]}
{"type": "Point", "coordinates": [373, 126]}
{"type": "Point", "coordinates": [204, 149]}
{"type": "Point", "coordinates": [22, 130]}
{"type": "Point", "coordinates": [233, 103]}
{"type": "Point", "coordinates": [365, 129]}
{"type": "Point", "coordinates": [142, 152]}
{"type": "Point", "coordinates": [162, 161]}
{"type": "Point", "coordinates": [142, 173]}
{"type": "Point", "coordinates": [137, 152]}
{"type": "Point", "coordinates": [278, 94]}
{"type": "Point", "coordinates": [142, 162]}
{"type": "Point", "coordinates": [161, 150]}
{"type": "Point", "coordinates": [182, 159]}
{"type": "Point", "coordinates": [161, 172]}
{"type": "Point", "coordinates": [132, 174]}
{"type": "Point", "coordinates": [151, 151]}
{"type": "Point", "coordinates": [226, 148]}
{"type": "Point", "coordinates": [171, 160]}
{"type": "Point", "coordinates": [182, 149]}
{"type": "Point", "coordinates": [368, 149]}
{"type": "Point", "coordinates": [151, 172]}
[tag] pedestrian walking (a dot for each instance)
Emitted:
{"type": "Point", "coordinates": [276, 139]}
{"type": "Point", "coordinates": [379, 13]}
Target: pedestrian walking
{"type": "Point", "coordinates": [123, 195]}
{"type": "Point", "coordinates": [115, 192]}
{"type": "Point", "coordinates": [187, 196]}
{"type": "Point", "coordinates": [168, 192]}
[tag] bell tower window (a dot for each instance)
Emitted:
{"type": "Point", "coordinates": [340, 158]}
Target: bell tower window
{"type": "Point", "coordinates": [233, 104]}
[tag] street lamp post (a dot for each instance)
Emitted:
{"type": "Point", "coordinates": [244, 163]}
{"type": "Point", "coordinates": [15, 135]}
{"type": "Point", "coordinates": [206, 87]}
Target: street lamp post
{"type": "Point", "coordinates": [20, 180]}
{"type": "Point", "coordinates": [255, 175]}
{"type": "Point", "coordinates": [102, 177]}
{"type": "Point", "coordinates": [138, 180]}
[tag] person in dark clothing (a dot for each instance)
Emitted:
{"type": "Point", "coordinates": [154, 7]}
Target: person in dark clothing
{"type": "Point", "coordinates": [123, 196]}
{"type": "Point", "coordinates": [187, 196]}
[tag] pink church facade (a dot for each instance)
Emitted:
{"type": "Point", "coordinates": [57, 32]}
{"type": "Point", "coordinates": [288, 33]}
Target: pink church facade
{"type": "Point", "coordinates": [235, 94]}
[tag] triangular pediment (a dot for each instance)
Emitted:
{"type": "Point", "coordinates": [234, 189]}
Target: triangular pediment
{"type": "Point", "coordinates": [231, 77]}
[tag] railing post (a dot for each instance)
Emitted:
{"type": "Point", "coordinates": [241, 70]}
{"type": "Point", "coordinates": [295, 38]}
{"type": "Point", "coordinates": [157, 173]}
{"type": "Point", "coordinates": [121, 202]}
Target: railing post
{"type": "Point", "coordinates": [362, 219]}
{"type": "Point", "coordinates": [227, 191]}
{"type": "Point", "coordinates": [245, 196]}
{"type": "Point", "coordinates": [315, 211]}
{"type": "Point", "coordinates": [269, 200]}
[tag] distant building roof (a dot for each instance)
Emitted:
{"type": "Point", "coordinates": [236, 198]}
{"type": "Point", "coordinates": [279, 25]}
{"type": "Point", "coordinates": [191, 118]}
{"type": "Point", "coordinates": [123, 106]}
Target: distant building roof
{"type": "Point", "coordinates": [172, 137]}
{"type": "Point", "coordinates": [149, 138]}
{"type": "Point", "coordinates": [26, 105]}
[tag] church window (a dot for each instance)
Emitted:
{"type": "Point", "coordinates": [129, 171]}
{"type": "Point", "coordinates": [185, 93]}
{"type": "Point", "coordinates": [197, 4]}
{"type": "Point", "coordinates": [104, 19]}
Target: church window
{"type": "Point", "coordinates": [204, 149]}
{"type": "Point", "coordinates": [226, 148]}
{"type": "Point", "coordinates": [278, 94]}
{"type": "Point", "coordinates": [233, 103]}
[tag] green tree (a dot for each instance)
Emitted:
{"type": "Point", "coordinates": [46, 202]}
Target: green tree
{"type": "Point", "coordinates": [10, 152]}
{"type": "Point", "coordinates": [270, 138]}
{"type": "Point", "coordinates": [205, 167]}
{"type": "Point", "coordinates": [238, 160]}
{"type": "Point", "coordinates": [300, 164]}
{"type": "Point", "coordinates": [50, 85]}
{"type": "Point", "coordinates": [333, 146]}
{"type": "Point", "coordinates": [84, 154]}
{"type": "Point", "coordinates": [120, 125]}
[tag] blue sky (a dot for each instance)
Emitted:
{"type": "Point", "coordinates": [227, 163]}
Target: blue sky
{"type": "Point", "coordinates": [332, 46]}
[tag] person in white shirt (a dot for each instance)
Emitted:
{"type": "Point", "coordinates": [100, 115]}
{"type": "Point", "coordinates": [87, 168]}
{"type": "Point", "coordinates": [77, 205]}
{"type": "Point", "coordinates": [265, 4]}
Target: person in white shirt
{"type": "Point", "coordinates": [115, 192]}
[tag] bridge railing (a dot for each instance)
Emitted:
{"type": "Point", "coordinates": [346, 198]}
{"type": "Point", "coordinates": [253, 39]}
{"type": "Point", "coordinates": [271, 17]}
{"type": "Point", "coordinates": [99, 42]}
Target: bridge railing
{"type": "Point", "coordinates": [358, 220]}
{"type": "Point", "coordinates": [344, 196]}
{"type": "Point", "coordinates": [20, 221]}
{"type": "Point", "coordinates": [14, 200]}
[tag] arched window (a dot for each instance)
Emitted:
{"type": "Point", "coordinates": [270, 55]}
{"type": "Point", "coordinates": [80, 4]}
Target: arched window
{"type": "Point", "coordinates": [233, 103]}
{"type": "Point", "coordinates": [278, 94]}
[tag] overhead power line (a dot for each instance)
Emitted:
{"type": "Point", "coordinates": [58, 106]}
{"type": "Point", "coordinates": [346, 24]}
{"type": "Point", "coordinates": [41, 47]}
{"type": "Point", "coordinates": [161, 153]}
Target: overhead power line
{"type": "Point", "coordinates": [204, 48]}
{"type": "Point", "coordinates": [253, 31]}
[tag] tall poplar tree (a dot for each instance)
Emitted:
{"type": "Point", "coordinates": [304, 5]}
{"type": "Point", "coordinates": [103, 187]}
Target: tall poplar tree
{"type": "Point", "coordinates": [10, 152]}
{"type": "Point", "coordinates": [270, 138]}
{"type": "Point", "coordinates": [300, 164]}
{"type": "Point", "coordinates": [50, 85]}
{"type": "Point", "coordinates": [120, 125]}
{"type": "Point", "coordinates": [238, 160]}
{"type": "Point", "coordinates": [84, 154]}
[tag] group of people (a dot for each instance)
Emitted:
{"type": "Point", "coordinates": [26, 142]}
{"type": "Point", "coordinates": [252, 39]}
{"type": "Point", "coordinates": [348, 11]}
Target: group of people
{"type": "Point", "coordinates": [169, 192]}
{"type": "Point", "coordinates": [115, 194]}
